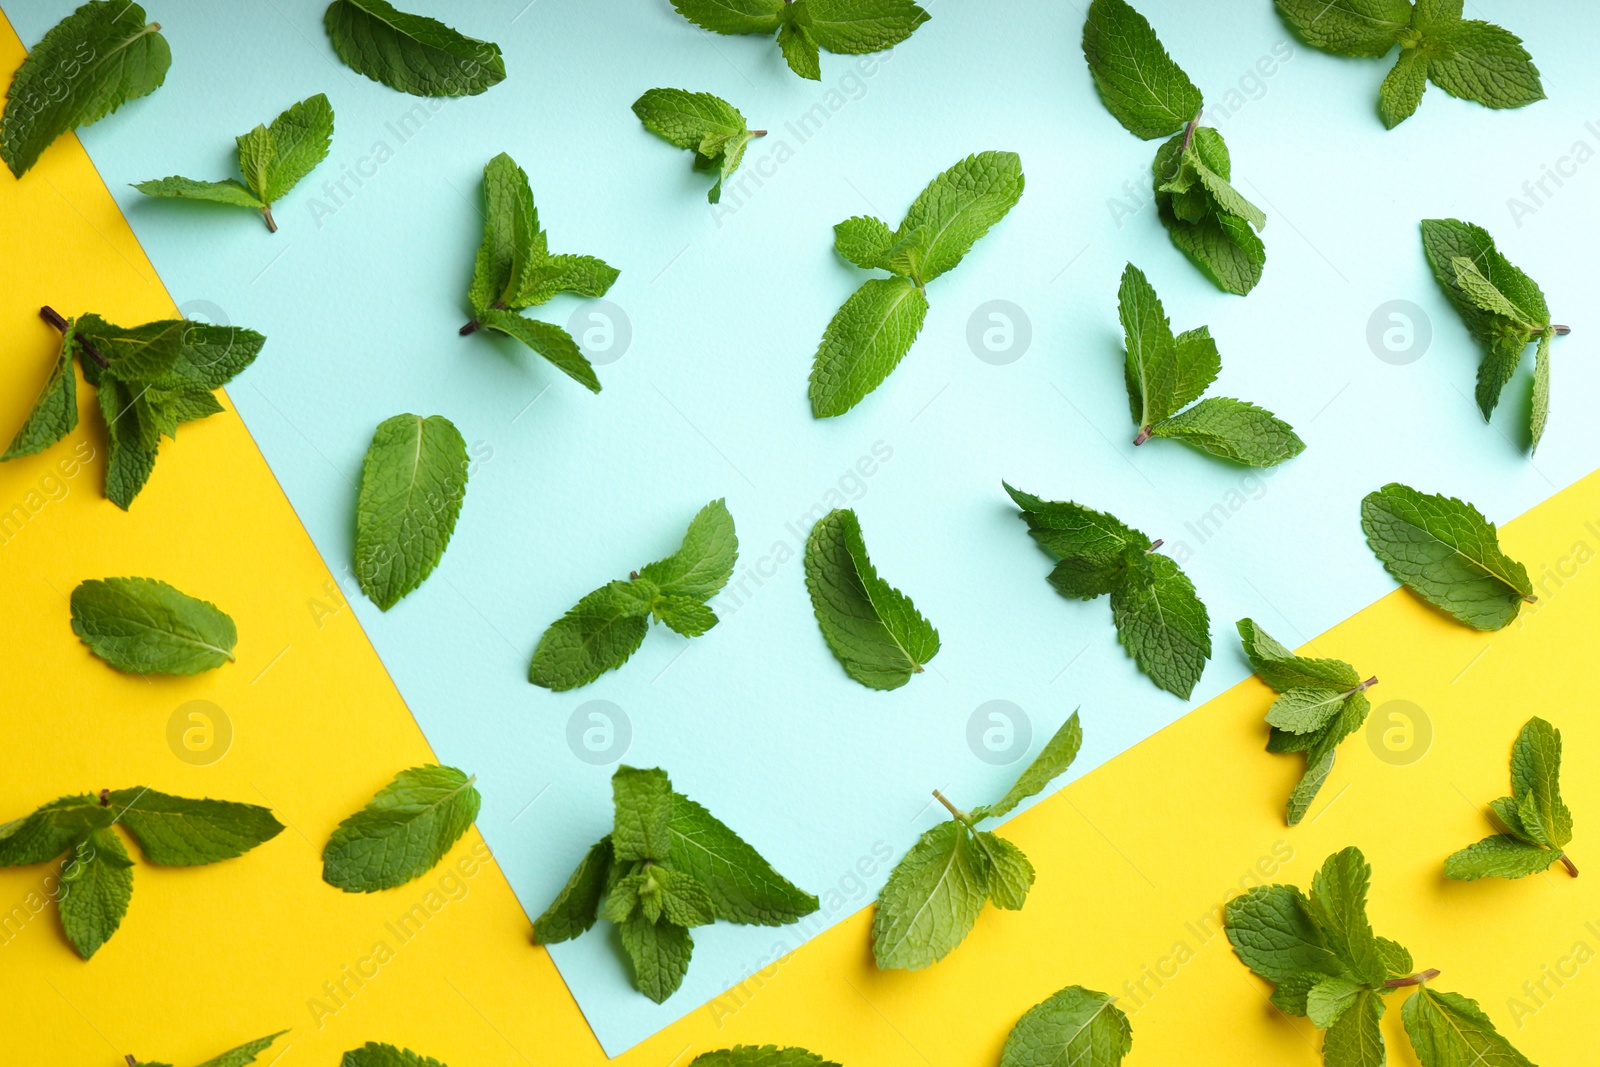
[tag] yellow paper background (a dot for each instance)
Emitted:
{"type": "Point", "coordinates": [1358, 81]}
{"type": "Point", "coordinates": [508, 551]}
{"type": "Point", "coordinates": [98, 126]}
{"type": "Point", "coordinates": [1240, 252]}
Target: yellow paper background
{"type": "Point", "coordinates": [1133, 861]}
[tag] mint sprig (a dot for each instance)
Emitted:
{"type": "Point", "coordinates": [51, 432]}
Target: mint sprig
{"type": "Point", "coordinates": [706, 125]}
{"type": "Point", "coordinates": [873, 629]}
{"type": "Point", "coordinates": [875, 328]}
{"type": "Point", "coordinates": [1159, 618]}
{"type": "Point", "coordinates": [1502, 308]}
{"type": "Point", "coordinates": [97, 876]}
{"type": "Point", "coordinates": [807, 27]}
{"type": "Point", "coordinates": [1144, 88]}
{"type": "Point", "coordinates": [667, 865]}
{"type": "Point", "coordinates": [149, 380]}
{"type": "Point", "coordinates": [411, 53]}
{"type": "Point", "coordinates": [1446, 552]}
{"type": "Point", "coordinates": [607, 626]}
{"type": "Point", "coordinates": [88, 65]}
{"type": "Point", "coordinates": [934, 894]}
{"type": "Point", "coordinates": [1327, 964]}
{"type": "Point", "coordinates": [1536, 823]}
{"type": "Point", "coordinates": [272, 158]}
{"type": "Point", "coordinates": [515, 270]}
{"type": "Point", "coordinates": [1320, 703]}
{"type": "Point", "coordinates": [1165, 374]}
{"type": "Point", "coordinates": [1467, 58]}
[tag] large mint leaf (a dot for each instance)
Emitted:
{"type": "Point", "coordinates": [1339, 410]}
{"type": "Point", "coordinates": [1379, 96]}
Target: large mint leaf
{"type": "Point", "coordinates": [1450, 1030]}
{"type": "Point", "coordinates": [931, 900]}
{"type": "Point", "coordinates": [1348, 27]}
{"type": "Point", "coordinates": [1141, 85]}
{"type": "Point", "coordinates": [743, 886]}
{"type": "Point", "coordinates": [180, 832]}
{"type": "Point", "coordinates": [1162, 623]}
{"type": "Point", "coordinates": [413, 480]}
{"type": "Point", "coordinates": [403, 832]}
{"type": "Point", "coordinates": [866, 340]}
{"type": "Point", "coordinates": [55, 412]}
{"type": "Point", "coordinates": [146, 626]}
{"type": "Point", "coordinates": [411, 53]}
{"type": "Point", "coordinates": [1076, 1027]}
{"type": "Point", "coordinates": [953, 212]}
{"type": "Point", "coordinates": [96, 886]}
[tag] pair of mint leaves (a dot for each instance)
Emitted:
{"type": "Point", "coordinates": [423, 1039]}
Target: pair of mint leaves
{"type": "Point", "coordinates": [1208, 219]}
{"type": "Point", "coordinates": [1159, 618]}
{"type": "Point", "coordinates": [667, 866]}
{"type": "Point", "coordinates": [1328, 965]}
{"type": "Point", "coordinates": [1466, 58]}
{"type": "Point", "coordinates": [1165, 374]}
{"type": "Point", "coordinates": [148, 379]}
{"type": "Point", "coordinates": [272, 159]}
{"type": "Point", "coordinates": [411, 53]}
{"type": "Point", "coordinates": [1446, 552]}
{"type": "Point", "coordinates": [934, 894]}
{"type": "Point", "coordinates": [89, 64]}
{"type": "Point", "coordinates": [1320, 703]}
{"type": "Point", "coordinates": [413, 480]}
{"type": "Point", "coordinates": [806, 27]}
{"type": "Point", "coordinates": [1502, 308]}
{"type": "Point", "coordinates": [403, 831]}
{"type": "Point", "coordinates": [1076, 1027]}
{"type": "Point", "coordinates": [607, 626]}
{"type": "Point", "coordinates": [144, 626]}
{"type": "Point", "coordinates": [706, 125]}
{"type": "Point", "coordinates": [515, 270]}
{"type": "Point", "coordinates": [95, 882]}
{"type": "Point", "coordinates": [875, 328]}
{"type": "Point", "coordinates": [1536, 822]}
{"type": "Point", "coordinates": [372, 1054]}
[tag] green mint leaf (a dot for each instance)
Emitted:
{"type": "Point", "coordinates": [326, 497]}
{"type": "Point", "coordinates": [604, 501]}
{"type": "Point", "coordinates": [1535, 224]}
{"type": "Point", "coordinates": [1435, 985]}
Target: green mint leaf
{"type": "Point", "coordinates": [1338, 906]}
{"type": "Point", "coordinates": [1208, 155]}
{"type": "Point", "coordinates": [1283, 670]}
{"type": "Point", "coordinates": [89, 64]}
{"type": "Point", "coordinates": [873, 629]}
{"type": "Point", "coordinates": [547, 339]}
{"type": "Point", "coordinates": [743, 887]}
{"type": "Point", "coordinates": [931, 900]}
{"type": "Point", "coordinates": [1536, 786]}
{"type": "Point", "coordinates": [1483, 292]}
{"type": "Point", "coordinates": [185, 405]}
{"type": "Point", "coordinates": [733, 16]}
{"type": "Point", "coordinates": [1355, 1038]}
{"type": "Point", "coordinates": [1348, 27]}
{"type": "Point", "coordinates": [579, 275]}
{"type": "Point", "coordinates": [684, 901]}
{"type": "Point", "coordinates": [242, 1056]}
{"type": "Point", "coordinates": [578, 904]}
{"type": "Point", "coordinates": [1224, 247]}
{"type": "Point", "coordinates": [1539, 404]}
{"type": "Point", "coordinates": [1320, 748]}
{"type": "Point", "coordinates": [871, 333]}
{"type": "Point", "coordinates": [55, 413]}
{"type": "Point", "coordinates": [1395, 957]}
{"type": "Point", "coordinates": [855, 27]}
{"type": "Point", "coordinates": [760, 1056]}
{"type": "Point", "coordinates": [1076, 1027]}
{"type": "Point", "coordinates": [412, 483]}
{"type": "Point", "coordinates": [643, 801]}
{"type": "Point", "coordinates": [1329, 999]}
{"type": "Point", "coordinates": [1291, 993]}
{"type": "Point", "coordinates": [1233, 429]}
{"type": "Point", "coordinates": [684, 615]}
{"type": "Point", "coordinates": [137, 355]}
{"type": "Point", "coordinates": [659, 952]}
{"type": "Point", "coordinates": [1007, 872]}
{"type": "Point", "coordinates": [1401, 92]}
{"type": "Point", "coordinates": [180, 832]}
{"type": "Point", "coordinates": [1162, 375]}
{"type": "Point", "coordinates": [1140, 84]}
{"type": "Point", "coordinates": [512, 238]}
{"type": "Point", "coordinates": [377, 1054]}
{"type": "Point", "coordinates": [51, 830]}
{"type": "Point", "coordinates": [211, 356]}
{"type": "Point", "coordinates": [403, 832]}
{"type": "Point", "coordinates": [274, 158]}
{"type": "Point", "coordinates": [96, 886]}
{"type": "Point", "coordinates": [1051, 763]}
{"type": "Point", "coordinates": [128, 463]}
{"type": "Point", "coordinates": [1067, 531]}
{"type": "Point", "coordinates": [145, 626]}
{"type": "Point", "coordinates": [1218, 239]}
{"type": "Point", "coordinates": [411, 53]}
{"type": "Point", "coordinates": [953, 212]}
{"type": "Point", "coordinates": [1482, 62]}
{"type": "Point", "coordinates": [800, 51]}
{"type": "Point", "coordinates": [1450, 1030]}
{"type": "Point", "coordinates": [1162, 623]}
{"type": "Point", "coordinates": [864, 241]}
{"type": "Point", "coordinates": [596, 635]}
{"type": "Point", "coordinates": [1304, 711]}
{"type": "Point", "coordinates": [704, 561]}
{"type": "Point", "coordinates": [223, 192]}
{"type": "Point", "coordinates": [1446, 552]}
{"type": "Point", "coordinates": [705, 124]}
{"type": "Point", "coordinates": [1273, 934]}
{"type": "Point", "coordinates": [1500, 856]}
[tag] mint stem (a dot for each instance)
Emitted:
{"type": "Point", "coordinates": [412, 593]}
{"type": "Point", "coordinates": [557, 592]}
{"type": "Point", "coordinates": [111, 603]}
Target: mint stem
{"type": "Point", "coordinates": [1188, 131]}
{"type": "Point", "coordinates": [1144, 435]}
{"type": "Point", "coordinates": [53, 317]}
{"type": "Point", "coordinates": [131, 1061]}
{"type": "Point", "coordinates": [1368, 684]}
{"type": "Point", "coordinates": [757, 133]}
{"type": "Point", "coordinates": [1559, 331]}
{"type": "Point", "coordinates": [1412, 979]}
{"type": "Point", "coordinates": [957, 812]}
{"type": "Point", "coordinates": [471, 328]}
{"type": "Point", "coordinates": [266, 213]}
{"type": "Point", "coordinates": [1572, 868]}
{"type": "Point", "coordinates": [1157, 543]}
